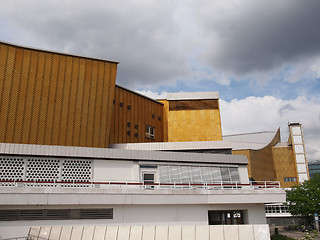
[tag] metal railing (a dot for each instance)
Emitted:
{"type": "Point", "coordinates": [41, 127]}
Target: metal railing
{"type": "Point", "coordinates": [141, 185]}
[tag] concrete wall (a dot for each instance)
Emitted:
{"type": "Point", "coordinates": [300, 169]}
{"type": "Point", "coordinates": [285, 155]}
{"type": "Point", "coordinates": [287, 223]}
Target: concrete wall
{"type": "Point", "coordinates": [110, 170]}
{"type": "Point", "coordinates": [159, 215]}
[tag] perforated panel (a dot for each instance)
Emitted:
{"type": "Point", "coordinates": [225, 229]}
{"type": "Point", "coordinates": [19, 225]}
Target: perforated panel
{"type": "Point", "coordinates": [42, 170]}
{"type": "Point", "coordinates": [12, 168]}
{"type": "Point", "coordinates": [76, 170]}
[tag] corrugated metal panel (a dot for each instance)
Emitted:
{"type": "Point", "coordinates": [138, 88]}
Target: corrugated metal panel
{"type": "Point", "coordinates": [192, 96]}
{"type": "Point", "coordinates": [105, 153]}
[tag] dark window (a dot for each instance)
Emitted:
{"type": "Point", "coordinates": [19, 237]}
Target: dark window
{"type": "Point", "coordinates": [229, 217]}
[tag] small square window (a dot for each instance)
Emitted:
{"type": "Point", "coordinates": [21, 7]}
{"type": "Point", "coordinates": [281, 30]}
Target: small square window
{"type": "Point", "coordinates": [149, 132]}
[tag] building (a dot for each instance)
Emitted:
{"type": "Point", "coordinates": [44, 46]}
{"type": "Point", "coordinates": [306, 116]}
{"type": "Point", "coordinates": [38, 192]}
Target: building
{"type": "Point", "coordinates": [75, 149]}
{"type": "Point", "coordinates": [314, 168]}
{"type": "Point", "coordinates": [271, 159]}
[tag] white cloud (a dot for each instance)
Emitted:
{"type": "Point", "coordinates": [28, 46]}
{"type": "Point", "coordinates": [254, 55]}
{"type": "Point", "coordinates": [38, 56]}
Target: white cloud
{"type": "Point", "coordinates": [254, 114]}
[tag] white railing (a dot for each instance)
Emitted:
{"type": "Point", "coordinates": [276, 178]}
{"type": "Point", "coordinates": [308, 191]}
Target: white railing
{"type": "Point", "coordinates": [135, 185]}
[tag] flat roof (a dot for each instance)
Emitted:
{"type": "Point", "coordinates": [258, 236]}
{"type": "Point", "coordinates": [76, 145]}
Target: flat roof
{"type": "Point", "coordinates": [118, 154]}
{"type": "Point", "coordinates": [192, 96]}
{"type": "Point", "coordinates": [172, 146]}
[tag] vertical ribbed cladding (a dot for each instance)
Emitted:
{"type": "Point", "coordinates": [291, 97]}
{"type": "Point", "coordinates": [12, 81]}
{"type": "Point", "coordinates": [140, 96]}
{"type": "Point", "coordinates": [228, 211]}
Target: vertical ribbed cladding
{"type": "Point", "coordinates": [132, 112]}
{"type": "Point", "coordinates": [55, 99]}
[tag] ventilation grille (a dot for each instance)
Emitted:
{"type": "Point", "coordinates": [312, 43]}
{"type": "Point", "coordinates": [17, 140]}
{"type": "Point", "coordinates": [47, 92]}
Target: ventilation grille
{"type": "Point", "coordinates": [55, 214]}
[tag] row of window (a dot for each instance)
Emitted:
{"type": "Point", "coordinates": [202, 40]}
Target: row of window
{"type": "Point", "coordinates": [189, 174]}
{"type": "Point", "coordinates": [276, 209]}
{"type": "Point", "coordinates": [290, 179]}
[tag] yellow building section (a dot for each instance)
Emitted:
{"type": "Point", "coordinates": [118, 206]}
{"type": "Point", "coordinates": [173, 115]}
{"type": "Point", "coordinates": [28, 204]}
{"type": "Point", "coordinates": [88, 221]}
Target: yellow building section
{"type": "Point", "coordinates": [54, 99]}
{"type": "Point", "coordinates": [285, 166]}
{"type": "Point", "coordinates": [192, 120]}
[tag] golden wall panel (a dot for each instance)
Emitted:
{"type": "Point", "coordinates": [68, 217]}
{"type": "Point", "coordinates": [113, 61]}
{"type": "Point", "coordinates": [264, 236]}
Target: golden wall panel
{"type": "Point", "coordinates": [192, 123]}
{"type": "Point", "coordinates": [54, 99]}
{"type": "Point", "coordinates": [132, 112]}
{"type": "Point", "coordinates": [19, 124]}
{"type": "Point", "coordinates": [285, 166]}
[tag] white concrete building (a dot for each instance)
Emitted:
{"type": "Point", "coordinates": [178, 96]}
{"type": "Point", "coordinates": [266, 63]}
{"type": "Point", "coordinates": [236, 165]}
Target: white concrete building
{"type": "Point", "coordinates": [77, 186]}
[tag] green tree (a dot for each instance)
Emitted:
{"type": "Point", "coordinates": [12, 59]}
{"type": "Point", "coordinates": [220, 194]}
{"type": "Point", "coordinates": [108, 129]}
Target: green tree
{"type": "Point", "coordinates": [304, 200]}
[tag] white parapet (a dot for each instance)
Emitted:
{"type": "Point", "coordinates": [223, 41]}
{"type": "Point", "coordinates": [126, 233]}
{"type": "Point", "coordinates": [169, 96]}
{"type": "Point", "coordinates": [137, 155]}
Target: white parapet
{"type": "Point", "coordinates": [171, 232]}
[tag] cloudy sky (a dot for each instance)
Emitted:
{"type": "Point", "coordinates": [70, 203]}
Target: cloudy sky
{"type": "Point", "coordinates": [262, 56]}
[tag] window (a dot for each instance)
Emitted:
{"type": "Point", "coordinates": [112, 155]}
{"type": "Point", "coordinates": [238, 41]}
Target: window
{"type": "Point", "coordinates": [149, 132]}
{"type": "Point", "coordinates": [276, 208]}
{"type": "Point", "coordinates": [226, 217]}
{"type": "Point", "coordinates": [148, 180]}
{"type": "Point", "coordinates": [290, 179]}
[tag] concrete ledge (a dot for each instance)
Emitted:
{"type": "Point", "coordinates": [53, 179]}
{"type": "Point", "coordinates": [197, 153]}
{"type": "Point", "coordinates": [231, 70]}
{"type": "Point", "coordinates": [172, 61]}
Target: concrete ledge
{"type": "Point", "coordinates": [53, 196]}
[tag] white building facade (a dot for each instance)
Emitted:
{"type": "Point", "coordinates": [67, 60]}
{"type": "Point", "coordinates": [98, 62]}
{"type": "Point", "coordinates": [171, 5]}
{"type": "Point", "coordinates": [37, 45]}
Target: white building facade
{"type": "Point", "coordinates": [56, 185]}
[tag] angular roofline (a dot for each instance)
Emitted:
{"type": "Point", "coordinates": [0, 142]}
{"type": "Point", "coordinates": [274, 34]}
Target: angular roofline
{"type": "Point", "coordinates": [245, 145]}
{"type": "Point", "coordinates": [139, 94]}
{"type": "Point", "coordinates": [54, 52]}
{"type": "Point", "coordinates": [251, 133]}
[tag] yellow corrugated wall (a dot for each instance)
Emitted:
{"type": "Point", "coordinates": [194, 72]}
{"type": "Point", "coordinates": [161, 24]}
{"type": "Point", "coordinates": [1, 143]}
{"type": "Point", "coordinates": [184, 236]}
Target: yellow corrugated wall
{"type": "Point", "coordinates": [284, 164]}
{"type": "Point", "coordinates": [192, 125]}
{"type": "Point", "coordinates": [54, 99]}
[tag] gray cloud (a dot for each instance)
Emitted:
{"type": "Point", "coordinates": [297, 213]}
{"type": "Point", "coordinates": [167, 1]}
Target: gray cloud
{"type": "Point", "coordinates": [254, 36]}
{"type": "Point", "coordinates": [285, 108]}
{"type": "Point", "coordinates": [158, 43]}
{"type": "Point", "coordinates": [141, 35]}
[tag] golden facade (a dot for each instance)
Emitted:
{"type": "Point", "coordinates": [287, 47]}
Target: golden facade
{"type": "Point", "coordinates": [55, 99]}
{"type": "Point", "coordinates": [52, 98]}
{"type": "Point", "coordinates": [192, 120]}
{"type": "Point", "coordinates": [284, 165]}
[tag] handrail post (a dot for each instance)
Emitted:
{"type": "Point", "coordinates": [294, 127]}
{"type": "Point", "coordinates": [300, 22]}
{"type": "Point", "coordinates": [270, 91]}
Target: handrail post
{"type": "Point", "coordinates": [265, 184]}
